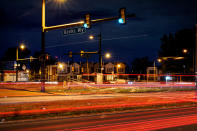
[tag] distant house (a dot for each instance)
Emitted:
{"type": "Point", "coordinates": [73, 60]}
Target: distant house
{"type": "Point", "coordinates": [8, 71]}
{"type": "Point", "coordinates": [51, 72]}
{"type": "Point", "coordinates": [75, 70]}
{"type": "Point", "coordinates": [96, 67]}
{"type": "Point", "coordinates": [109, 68]}
{"type": "Point", "coordinates": [10, 75]}
{"type": "Point", "coordinates": [87, 67]}
{"type": "Point", "coordinates": [120, 68]}
{"type": "Point", "coordinates": [152, 73]}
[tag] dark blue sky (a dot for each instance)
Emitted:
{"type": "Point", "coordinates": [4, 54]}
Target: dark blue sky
{"type": "Point", "coordinates": [21, 22]}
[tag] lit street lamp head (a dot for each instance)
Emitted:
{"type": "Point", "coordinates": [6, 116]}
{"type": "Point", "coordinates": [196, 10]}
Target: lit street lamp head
{"type": "Point", "coordinates": [108, 55]}
{"type": "Point", "coordinates": [159, 60]}
{"type": "Point", "coordinates": [60, 1]}
{"type": "Point", "coordinates": [22, 46]}
{"type": "Point", "coordinates": [185, 51]}
{"type": "Point", "coordinates": [60, 66]}
{"type": "Point", "coordinates": [91, 37]}
{"type": "Point", "coordinates": [118, 65]}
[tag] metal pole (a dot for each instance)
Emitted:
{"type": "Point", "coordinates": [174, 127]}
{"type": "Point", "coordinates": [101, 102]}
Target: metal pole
{"type": "Point", "coordinates": [196, 60]}
{"type": "Point", "coordinates": [100, 54]}
{"type": "Point", "coordinates": [87, 68]}
{"type": "Point", "coordinates": [154, 71]}
{"type": "Point", "coordinates": [43, 48]}
{"type": "Point", "coordinates": [16, 64]}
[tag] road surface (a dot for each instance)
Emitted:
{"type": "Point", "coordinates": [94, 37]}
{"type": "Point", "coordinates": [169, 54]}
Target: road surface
{"type": "Point", "coordinates": [185, 96]}
{"type": "Point", "coordinates": [168, 119]}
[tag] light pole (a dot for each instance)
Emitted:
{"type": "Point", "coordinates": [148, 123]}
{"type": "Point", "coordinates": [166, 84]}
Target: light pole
{"type": "Point", "coordinates": [107, 55]}
{"type": "Point", "coordinates": [118, 67]}
{"type": "Point", "coordinates": [75, 24]}
{"type": "Point", "coordinates": [196, 60]}
{"type": "Point", "coordinates": [43, 48]}
{"type": "Point", "coordinates": [44, 29]}
{"type": "Point", "coordinates": [99, 51]}
{"type": "Point", "coordinates": [22, 47]}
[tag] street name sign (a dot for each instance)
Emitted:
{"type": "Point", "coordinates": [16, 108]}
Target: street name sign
{"type": "Point", "coordinates": [74, 30]}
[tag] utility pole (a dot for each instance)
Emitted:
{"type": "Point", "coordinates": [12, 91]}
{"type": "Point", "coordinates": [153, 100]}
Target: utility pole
{"type": "Point", "coordinates": [154, 71]}
{"type": "Point", "coordinates": [100, 53]}
{"type": "Point", "coordinates": [196, 60]}
{"type": "Point", "coordinates": [75, 24]}
{"type": "Point", "coordinates": [16, 63]}
{"type": "Point", "coordinates": [43, 48]}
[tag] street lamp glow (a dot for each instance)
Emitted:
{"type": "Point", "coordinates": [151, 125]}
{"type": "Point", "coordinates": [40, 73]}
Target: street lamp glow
{"type": "Point", "coordinates": [159, 60]}
{"type": "Point", "coordinates": [27, 71]}
{"type": "Point", "coordinates": [108, 55]}
{"type": "Point", "coordinates": [22, 46]}
{"type": "Point", "coordinates": [60, 66]}
{"type": "Point", "coordinates": [185, 51]}
{"type": "Point", "coordinates": [91, 37]}
{"type": "Point", "coordinates": [60, 1]}
{"type": "Point", "coordinates": [118, 65]}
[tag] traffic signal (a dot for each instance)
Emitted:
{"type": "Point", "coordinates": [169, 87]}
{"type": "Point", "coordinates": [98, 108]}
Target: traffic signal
{"type": "Point", "coordinates": [122, 19]}
{"type": "Point", "coordinates": [82, 53]}
{"type": "Point", "coordinates": [47, 57]}
{"type": "Point", "coordinates": [87, 22]}
{"type": "Point", "coordinates": [70, 54]}
{"type": "Point", "coordinates": [31, 58]}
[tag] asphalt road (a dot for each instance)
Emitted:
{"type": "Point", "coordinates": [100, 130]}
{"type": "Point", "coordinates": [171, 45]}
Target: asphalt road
{"type": "Point", "coordinates": [168, 119]}
{"type": "Point", "coordinates": [186, 96]}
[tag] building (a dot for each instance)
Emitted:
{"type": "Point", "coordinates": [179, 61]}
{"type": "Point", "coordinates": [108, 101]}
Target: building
{"type": "Point", "coordinates": [78, 71]}
{"type": "Point", "coordinates": [8, 72]}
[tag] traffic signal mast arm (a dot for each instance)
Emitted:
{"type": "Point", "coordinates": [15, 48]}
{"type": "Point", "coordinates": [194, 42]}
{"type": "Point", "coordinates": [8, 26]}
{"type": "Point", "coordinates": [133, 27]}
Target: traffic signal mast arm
{"type": "Point", "coordinates": [31, 58]}
{"type": "Point", "coordinates": [81, 23]}
{"type": "Point", "coordinates": [82, 53]}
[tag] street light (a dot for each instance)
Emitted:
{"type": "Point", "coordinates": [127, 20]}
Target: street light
{"type": "Point", "coordinates": [60, 1]}
{"type": "Point", "coordinates": [22, 47]}
{"type": "Point", "coordinates": [118, 67]}
{"type": "Point", "coordinates": [185, 51]}
{"type": "Point", "coordinates": [159, 60]}
{"type": "Point", "coordinates": [91, 37]}
{"type": "Point", "coordinates": [43, 42]}
{"type": "Point", "coordinates": [60, 66]}
{"type": "Point", "coordinates": [107, 55]}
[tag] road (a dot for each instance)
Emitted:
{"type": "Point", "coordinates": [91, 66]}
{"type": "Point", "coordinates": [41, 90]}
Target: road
{"type": "Point", "coordinates": [168, 119]}
{"type": "Point", "coordinates": [186, 96]}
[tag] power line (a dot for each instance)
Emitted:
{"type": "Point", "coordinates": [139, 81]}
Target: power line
{"type": "Point", "coordinates": [76, 43]}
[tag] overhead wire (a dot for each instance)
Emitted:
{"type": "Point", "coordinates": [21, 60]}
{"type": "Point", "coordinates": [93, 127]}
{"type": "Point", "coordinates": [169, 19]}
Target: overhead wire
{"type": "Point", "coordinates": [76, 43]}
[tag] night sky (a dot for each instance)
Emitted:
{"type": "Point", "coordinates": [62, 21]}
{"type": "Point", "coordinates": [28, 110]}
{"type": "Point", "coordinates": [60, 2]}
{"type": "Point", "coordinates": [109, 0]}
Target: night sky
{"type": "Point", "coordinates": [21, 22]}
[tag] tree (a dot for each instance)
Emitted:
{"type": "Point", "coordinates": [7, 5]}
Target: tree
{"type": "Point", "coordinates": [139, 65]}
{"type": "Point", "coordinates": [173, 46]}
{"type": "Point", "coordinates": [35, 65]}
{"type": "Point", "coordinates": [10, 55]}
